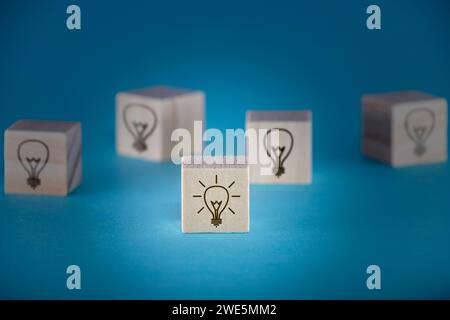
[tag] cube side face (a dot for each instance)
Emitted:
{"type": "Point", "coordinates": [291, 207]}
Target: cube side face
{"type": "Point", "coordinates": [140, 125]}
{"type": "Point", "coordinates": [188, 109]}
{"type": "Point", "coordinates": [215, 200]}
{"type": "Point", "coordinates": [420, 132]}
{"type": "Point", "coordinates": [74, 157]}
{"type": "Point", "coordinates": [35, 163]}
{"type": "Point", "coordinates": [296, 159]}
{"type": "Point", "coordinates": [376, 131]}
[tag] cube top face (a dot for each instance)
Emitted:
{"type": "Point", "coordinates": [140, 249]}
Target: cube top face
{"type": "Point", "coordinates": [270, 116]}
{"type": "Point", "coordinates": [391, 99]}
{"type": "Point", "coordinates": [42, 157]}
{"type": "Point", "coordinates": [146, 118]}
{"type": "Point", "coordinates": [288, 160]}
{"type": "Point", "coordinates": [162, 92]}
{"type": "Point", "coordinates": [44, 126]}
{"type": "Point", "coordinates": [419, 132]}
{"type": "Point", "coordinates": [214, 162]}
{"type": "Point", "coordinates": [215, 198]}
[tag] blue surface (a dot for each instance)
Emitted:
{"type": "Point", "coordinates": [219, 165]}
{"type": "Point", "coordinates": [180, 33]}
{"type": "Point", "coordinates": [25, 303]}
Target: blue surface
{"type": "Point", "coordinates": [122, 226]}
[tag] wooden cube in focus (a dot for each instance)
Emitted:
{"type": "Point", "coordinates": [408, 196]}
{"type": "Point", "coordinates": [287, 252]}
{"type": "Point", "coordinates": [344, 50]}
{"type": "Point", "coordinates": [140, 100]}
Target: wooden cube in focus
{"type": "Point", "coordinates": [215, 195]}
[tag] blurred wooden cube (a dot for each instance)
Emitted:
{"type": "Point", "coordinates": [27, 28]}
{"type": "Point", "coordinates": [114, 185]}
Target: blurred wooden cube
{"type": "Point", "coordinates": [404, 128]}
{"type": "Point", "coordinates": [42, 157]}
{"type": "Point", "coordinates": [146, 118]}
{"type": "Point", "coordinates": [286, 161]}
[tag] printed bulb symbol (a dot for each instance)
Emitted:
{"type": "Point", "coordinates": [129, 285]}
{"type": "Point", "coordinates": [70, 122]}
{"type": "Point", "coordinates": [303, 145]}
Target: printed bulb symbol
{"type": "Point", "coordinates": [419, 124]}
{"type": "Point", "coordinates": [140, 121]}
{"type": "Point", "coordinates": [33, 156]}
{"type": "Point", "coordinates": [278, 143]}
{"type": "Point", "coordinates": [216, 200]}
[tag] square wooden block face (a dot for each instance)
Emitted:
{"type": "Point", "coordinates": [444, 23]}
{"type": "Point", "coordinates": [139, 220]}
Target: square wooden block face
{"type": "Point", "coordinates": [405, 128]}
{"type": "Point", "coordinates": [288, 160]}
{"type": "Point", "coordinates": [419, 132]}
{"type": "Point", "coordinates": [215, 198]}
{"type": "Point", "coordinates": [140, 127]}
{"type": "Point", "coordinates": [146, 118]}
{"type": "Point", "coordinates": [43, 157]}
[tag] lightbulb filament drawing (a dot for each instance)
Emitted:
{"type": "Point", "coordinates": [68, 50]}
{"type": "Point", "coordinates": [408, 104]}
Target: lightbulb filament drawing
{"type": "Point", "coordinates": [216, 198]}
{"type": "Point", "coordinates": [33, 156]}
{"type": "Point", "coordinates": [419, 125]}
{"type": "Point", "coordinates": [278, 150]}
{"type": "Point", "coordinates": [140, 120]}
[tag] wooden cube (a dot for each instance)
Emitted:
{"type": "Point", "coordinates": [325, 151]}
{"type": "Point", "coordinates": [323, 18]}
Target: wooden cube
{"type": "Point", "coordinates": [215, 194]}
{"type": "Point", "coordinates": [42, 157]}
{"type": "Point", "coordinates": [146, 118]}
{"type": "Point", "coordinates": [289, 155]}
{"type": "Point", "coordinates": [405, 128]}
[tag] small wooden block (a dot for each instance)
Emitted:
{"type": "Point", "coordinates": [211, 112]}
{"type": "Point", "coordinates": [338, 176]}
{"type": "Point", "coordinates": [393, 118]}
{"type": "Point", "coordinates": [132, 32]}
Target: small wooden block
{"type": "Point", "coordinates": [215, 197]}
{"type": "Point", "coordinates": [290, 159]}
{"type": "Point", "coordinates": [42, 157]}
{"type": "Point", "coordinates": [146, 118]}
{"type": "Point", "coordinates": [405, 128]}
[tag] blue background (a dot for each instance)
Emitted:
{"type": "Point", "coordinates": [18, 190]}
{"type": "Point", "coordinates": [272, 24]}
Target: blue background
{"type": "Point", "coordinates": [122, 226]}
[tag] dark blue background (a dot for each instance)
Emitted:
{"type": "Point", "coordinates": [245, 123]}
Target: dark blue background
{"type": "Point", "coordinates": [122, 226]}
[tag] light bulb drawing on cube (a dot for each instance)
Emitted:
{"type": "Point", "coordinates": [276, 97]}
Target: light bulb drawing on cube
{"type": "Point", "coordinates": [216, 198]}
{"type": "Point", "coordinates": [278, 150]}
{"type": "Point", "coordinates": [140, 121]}
{"type": "Point", "coordinates": [33, 155]}
{"type": "Point", "coordinates": [419, 125]}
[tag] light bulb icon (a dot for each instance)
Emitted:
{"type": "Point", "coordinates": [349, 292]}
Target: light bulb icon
{"type": "Point", "coordinates": [216, 198]}
{"type": "Point", "coordinates": [278, 143]}
{"type": "Point", "coordinates": [33, 156]}
{"type": "Point", "coordinates": [419, 125]}
{"type": "Point", "coordinates": [140, 121]}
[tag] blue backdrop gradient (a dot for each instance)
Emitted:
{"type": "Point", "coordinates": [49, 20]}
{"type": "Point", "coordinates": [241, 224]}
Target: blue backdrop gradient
{"type": "Point", "coordinates": [122, 225]}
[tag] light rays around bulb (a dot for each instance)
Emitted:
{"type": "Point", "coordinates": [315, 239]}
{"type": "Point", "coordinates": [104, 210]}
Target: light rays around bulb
{"type": "Point", "coordinates": [216, 199]}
